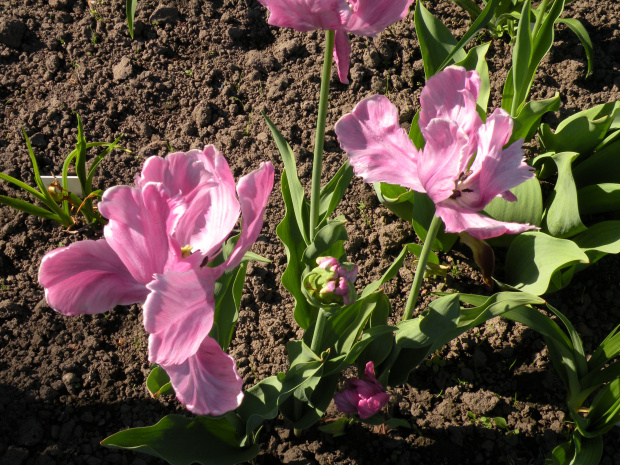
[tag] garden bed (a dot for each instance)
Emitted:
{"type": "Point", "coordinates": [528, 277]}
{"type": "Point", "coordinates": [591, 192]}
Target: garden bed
{"type": "Point", "coordinates": [202, 72]}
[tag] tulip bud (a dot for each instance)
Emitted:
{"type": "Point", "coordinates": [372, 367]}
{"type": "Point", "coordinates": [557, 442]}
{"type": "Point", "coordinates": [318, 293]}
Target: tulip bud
{"type": "Point", "coordinates": [362, 396]}
{"type": "Point", "coordinates": [330, 284]}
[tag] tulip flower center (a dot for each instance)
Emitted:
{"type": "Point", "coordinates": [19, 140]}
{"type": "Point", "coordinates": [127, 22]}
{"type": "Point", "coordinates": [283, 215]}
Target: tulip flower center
{"type": "Point", "coordinates": [186, 251]}
{"type": "Point", "coordinates": [458, 191]}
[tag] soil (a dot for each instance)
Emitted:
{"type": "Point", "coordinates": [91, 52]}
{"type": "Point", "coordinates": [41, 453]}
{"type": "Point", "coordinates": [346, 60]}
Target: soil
{"type": "Point", "coordinates": [201, 72]}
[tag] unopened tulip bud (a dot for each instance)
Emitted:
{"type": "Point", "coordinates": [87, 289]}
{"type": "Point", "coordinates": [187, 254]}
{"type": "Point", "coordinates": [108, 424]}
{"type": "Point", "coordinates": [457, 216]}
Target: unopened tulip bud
{"type": "Point", "coordinates": [362, 396]}
{"type": "Point", "coordinates": [330, 284]}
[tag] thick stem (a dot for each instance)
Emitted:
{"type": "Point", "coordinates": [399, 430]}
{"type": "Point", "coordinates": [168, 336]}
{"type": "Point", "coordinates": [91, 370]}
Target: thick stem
{"type": "Point", "coordinates": [418, 278]}
{"type": "Point", "coordinates": [317, 165]}
{"type": "Point", "coordinates": [318, 330]}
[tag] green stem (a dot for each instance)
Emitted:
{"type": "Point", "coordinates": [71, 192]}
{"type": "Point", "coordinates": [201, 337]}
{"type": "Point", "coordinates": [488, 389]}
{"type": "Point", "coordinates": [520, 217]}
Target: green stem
{"type": "Point", "coordinates": [317, 165]}
{"type": "Point", "coordinates": [318, 330]}
{"type": "Point", "coordinates": [419, 271]}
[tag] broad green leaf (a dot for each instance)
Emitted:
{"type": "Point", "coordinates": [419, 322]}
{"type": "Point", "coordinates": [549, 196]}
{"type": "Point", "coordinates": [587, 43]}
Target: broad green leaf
{"type": "Point", "coordinates": [301, 209]}
{"type": "Point", "coordinates": [336, 428]}
{"type": "Point", "coordinates": [599, 240]}
{"type": "Point", "coordinates": [436, 41]}
{"type": "Point", "coordinates": [562, 217]}
{"type": "Point", "coordinates": [398, 199]}
{"type": "Point", "coordinates": [333, 191]}
{"type": "Point", "coordinates": [521, 59]}
{"type": "Point", "coordinates": [423, 213]}
{"type": "Point", "coordinates": [184, 441]}
{"type": "Point", "coordinates": [480, 22]}
{"type": "Point", "coordinates": [605, 409]}
{"type": "Point", "coordinates": [328, 241]}
{"type": "Point", "coordinates": [607, 350]}
{"type": "Point", "coordinates": [476, 61]}
{"type": "Point", "coordinates": [578, 451]}
{"type": "Point", "coordinates": [294, 245]}
{"type": "Point", "coordinates": [599, 198]}
{"type": "Point", "coordinates": [534, 258]}
{"type": "Point", "coordinates": [580, 31]}
{"type": "Point", "coordinates": [595, 379]}
{"type": "Point", "coordinates": [526, 123]}
{"type": "Point", "coordinates": [440, 318]}
{"type": "Point", "coordinates": [130, 9]}
{"type": "Point", "coordinates": [158, 382]}
{"type": "Point", "coordinates": [228, 290]}
{"type": "Point", "coordinates": [579, 355]}
{"type": "Point", "coordinates": [601, 167]}
{"type": "Point", "coordinates": [260, 402]}
{"type": "Point", "coordinates": [470, 7]}
{"type": "Point", "coordinates": [527, 209]}
{"type": "Point", "coordinates": [581, 132]}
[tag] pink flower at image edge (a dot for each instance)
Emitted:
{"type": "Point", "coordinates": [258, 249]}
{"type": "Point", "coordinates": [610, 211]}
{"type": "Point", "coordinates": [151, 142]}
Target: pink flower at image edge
{"type": "Point", "coordinates": [159, 235]}
{"type": "Point", "coordinates": [463, 165]}
{"type": "Point", "coordinates": [360, 17]}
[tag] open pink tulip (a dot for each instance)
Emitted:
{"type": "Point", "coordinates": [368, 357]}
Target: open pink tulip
{"type": "Point", "coordinates": [360, 17]}
{"type": "Point", "coordinates": [160, 235]}
{"type": "Point", "coordinates": [463, 165]}
{"type": "Point", "coordinates": [362, 396]}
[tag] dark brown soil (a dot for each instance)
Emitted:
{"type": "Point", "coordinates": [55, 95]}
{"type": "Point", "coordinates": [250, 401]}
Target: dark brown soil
{"type": "Point", "coordinates": [202, 73]}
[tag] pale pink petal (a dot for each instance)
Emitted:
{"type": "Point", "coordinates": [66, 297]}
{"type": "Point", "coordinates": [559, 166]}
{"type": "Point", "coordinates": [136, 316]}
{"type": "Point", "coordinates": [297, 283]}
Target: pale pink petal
{"type": "Point", "coordinates": [452, 94]}
{"type": "Point", "coordinates": [439, 165]}
{"type": "Point", "coordinates": [378, 148]}
{"type": "Point", "coordinates": [211, 215]}
{"type": "Point", "coordinates": [370, 17]}
{"type": "Point", "coordinates": [87, 277]}
{"type": "Point", "coordinates": [342, 55]}
{"type": "Point", "coordinates": [495, 169]}
{"type": "Point", "coordinates": [308, 15]}
{"type": "Point", "coordinates": [178, 314]}
{"type": "Point", "coordinates": [179, 172]}
{"type": "Point", "coordinates": [207, 382]}
{"type": "Point", "coordinates": [476, 224]}
{"type": "Point", "coordinates": [137, 229]}
{"type": "Point", "coordinates": [254, 190]}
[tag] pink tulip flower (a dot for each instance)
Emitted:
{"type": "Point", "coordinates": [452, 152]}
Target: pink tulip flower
{"type": "Point", "coordinates": [159, 236]}
{"type": "Point", "coordinates": [360, 17]}
{"type": "Point", "coordinates": [463, 165]}
{"type": "Point", "coordinates": [362, 396]}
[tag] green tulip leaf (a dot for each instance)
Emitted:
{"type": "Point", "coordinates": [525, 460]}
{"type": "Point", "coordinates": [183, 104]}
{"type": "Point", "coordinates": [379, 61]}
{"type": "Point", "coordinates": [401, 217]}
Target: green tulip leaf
{"type": "Point", "coordinates": [535, 261]}
{"type": "Point", "coordinates": [184, 441]}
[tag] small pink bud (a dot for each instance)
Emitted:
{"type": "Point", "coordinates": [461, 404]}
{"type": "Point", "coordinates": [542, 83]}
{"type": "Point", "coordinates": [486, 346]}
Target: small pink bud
{"type": "Point", "coordinates": [362, 396]}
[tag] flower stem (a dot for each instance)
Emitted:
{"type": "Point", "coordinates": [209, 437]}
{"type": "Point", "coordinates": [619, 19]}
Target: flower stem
{"type": "Point", "coordinates": [421, 268]}
{"type": "Point", "coordinates": [318, 330]}
{"type": "Point", "coordinates": [317, 165]}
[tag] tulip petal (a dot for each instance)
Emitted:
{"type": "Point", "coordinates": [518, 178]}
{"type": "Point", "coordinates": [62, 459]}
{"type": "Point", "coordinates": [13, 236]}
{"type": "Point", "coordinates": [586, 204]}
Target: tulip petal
{"type": "Point", "coordinates": [496, 170]}
{"type": "Point", "coordinates": [342, 55]}
{"type": "Point", "coordinates": [87, 277]}
{"type": "Point", "coordinates": [308, 15]}
{"type": "Point", "coordinates": [207, 382]}
{"type": "Point", "coordinates": [476, 224]}
{"type": "Point", "coordinates": [438, 167]}
{"type": "Point", "coordinates": [452, 94]}
{"type": "Point", "coordinates": [138, 229]}
{"type": "Point", "coordinates": [370, 17]}
{"type": "Point", "coordinates": [254, 190]}
{"type": "Point", "coordinates": [378, 148]}
{"type": "Point", "coordinates": [212, 214]}
{"type": "Point", "coordinates": [178, 314]}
